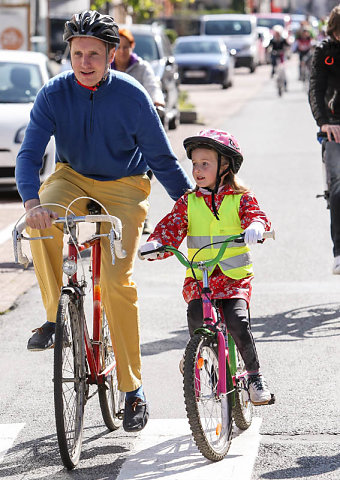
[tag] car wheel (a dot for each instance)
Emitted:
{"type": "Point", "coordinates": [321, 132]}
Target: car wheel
{"type": "Point", "coordinates": [252, 67]}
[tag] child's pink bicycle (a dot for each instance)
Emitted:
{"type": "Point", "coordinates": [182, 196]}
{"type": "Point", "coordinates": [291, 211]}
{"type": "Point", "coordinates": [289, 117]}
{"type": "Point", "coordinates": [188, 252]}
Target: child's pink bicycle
{"type": "Point", "coordinates": [214, 379]}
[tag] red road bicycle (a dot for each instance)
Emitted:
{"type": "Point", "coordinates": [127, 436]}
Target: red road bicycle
{"type": "Point", "coordinates": [79, 360]}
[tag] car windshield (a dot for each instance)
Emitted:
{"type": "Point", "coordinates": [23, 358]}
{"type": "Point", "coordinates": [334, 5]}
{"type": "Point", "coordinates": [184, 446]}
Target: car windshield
{"type": "Point", "coordinates": [227, 27]}
{"type": "Point", "coordinates": [197, 47]}
{"type": "Point", "coordinates": [146, 47]}
{"type": "Point", "coordinates": [270, 22]}
{"type": "Point", "coordinates": [19, 82]}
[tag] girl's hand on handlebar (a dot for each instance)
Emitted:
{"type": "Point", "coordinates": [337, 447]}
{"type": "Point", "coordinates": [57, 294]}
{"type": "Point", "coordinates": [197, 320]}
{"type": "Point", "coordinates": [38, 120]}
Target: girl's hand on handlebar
{"type": "Point", "coordinates": [38, 218]}
{"type": "Point", "coordinates": [332, 131]}
{"type": "Point", "coordinates": [254, 233]}
{"type": "Point", "coordinates": [150, 247]}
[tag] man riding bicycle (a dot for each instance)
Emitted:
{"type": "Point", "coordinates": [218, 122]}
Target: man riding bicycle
{"type": "Point", "coordinates": [324, 99]}
{"type": "Point", "coordinates": [107, 134]}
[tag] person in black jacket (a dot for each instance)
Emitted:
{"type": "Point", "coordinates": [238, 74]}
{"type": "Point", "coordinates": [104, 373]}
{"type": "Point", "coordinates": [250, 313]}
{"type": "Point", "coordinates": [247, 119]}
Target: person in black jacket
{"type": "Point", "coordinates": [324, 100]}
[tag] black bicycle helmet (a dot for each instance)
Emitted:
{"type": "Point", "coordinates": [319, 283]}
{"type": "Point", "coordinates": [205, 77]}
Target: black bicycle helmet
{"type": "Point", "coordinates": [91, 23]}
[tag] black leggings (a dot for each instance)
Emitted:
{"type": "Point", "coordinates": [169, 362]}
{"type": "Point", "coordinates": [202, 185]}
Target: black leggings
{"type": "Point", "coordinates": [236, 315]}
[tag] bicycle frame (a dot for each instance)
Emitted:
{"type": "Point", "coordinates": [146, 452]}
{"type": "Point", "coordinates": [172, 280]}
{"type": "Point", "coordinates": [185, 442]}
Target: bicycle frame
{"type": "Point", "coordinates": [96, 376]}
{"type": "Point", "coordinates": [225, 343]}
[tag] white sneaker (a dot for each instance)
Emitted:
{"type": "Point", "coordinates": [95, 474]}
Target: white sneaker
{"type": "Point", "coordinates": [258, 390]}
{"type": "Point", "coordinates": [336, 265]}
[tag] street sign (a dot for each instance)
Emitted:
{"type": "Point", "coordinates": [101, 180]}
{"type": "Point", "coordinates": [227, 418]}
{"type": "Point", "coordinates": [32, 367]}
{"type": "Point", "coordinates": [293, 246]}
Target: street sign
{"type": "Point", "coordinates": [15, 27]}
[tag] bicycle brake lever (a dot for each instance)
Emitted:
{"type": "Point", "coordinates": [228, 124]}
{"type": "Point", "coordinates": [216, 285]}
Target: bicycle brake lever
{"type": "Point", "coordinates": [112, 249]}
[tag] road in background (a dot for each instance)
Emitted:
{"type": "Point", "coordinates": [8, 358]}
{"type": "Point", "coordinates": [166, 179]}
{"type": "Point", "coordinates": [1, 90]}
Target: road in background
{"type": "Point", "coordinates": [294, 311]}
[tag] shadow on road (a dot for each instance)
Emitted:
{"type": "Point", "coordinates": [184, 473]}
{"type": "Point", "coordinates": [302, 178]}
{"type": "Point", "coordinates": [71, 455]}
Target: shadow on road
{"type": "Point", "coordinates": [306, 322]}
{"type": "Point", "coordinates": [28, 459]}
{"type": "Point", "coordinates": [308, 467]}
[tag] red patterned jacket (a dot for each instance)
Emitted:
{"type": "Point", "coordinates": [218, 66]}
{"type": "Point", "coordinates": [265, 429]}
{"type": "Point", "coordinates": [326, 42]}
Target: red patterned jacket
{"type": "Point", "coordinates": [172, 229]}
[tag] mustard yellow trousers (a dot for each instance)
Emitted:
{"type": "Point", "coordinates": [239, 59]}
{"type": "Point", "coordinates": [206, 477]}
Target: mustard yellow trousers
{"type": "Point", "coordinates": [126, 199]}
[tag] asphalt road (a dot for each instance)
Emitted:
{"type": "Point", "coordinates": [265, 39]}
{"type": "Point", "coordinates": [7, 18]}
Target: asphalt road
{"type": "Point", "coordinates": [294, 311]}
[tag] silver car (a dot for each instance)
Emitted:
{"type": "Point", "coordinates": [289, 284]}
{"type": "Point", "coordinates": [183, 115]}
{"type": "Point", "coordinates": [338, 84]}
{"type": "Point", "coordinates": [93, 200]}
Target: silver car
{"type": "Point", "coordinates": [239, 34]}
{"type": "Point", "coordinates": [22, 74]}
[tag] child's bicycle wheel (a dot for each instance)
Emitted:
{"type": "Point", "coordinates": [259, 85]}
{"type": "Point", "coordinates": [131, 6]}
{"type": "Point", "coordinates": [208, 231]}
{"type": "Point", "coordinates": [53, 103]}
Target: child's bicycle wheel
{"type": "Point", "coordinates": [209, 414]}
{"type": "Point", "coordinates": [110, 398]}
{"type": "Point", "coordinates": [70, 388]}
{"type": "Point", "coordinates": [243, 409]}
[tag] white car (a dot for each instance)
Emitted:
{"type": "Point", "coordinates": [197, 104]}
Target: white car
{"type": "Point", "coordinates": [22, 74]}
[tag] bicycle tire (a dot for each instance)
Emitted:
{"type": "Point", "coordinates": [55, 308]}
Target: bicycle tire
{"type": "Point", "coordinates": [210, 417]}
{"type": "Point", "coordinates": [111, 399]}
{"type": "Point", "coordinates": [243, 409]}
{"type": "Point", "coordinates": [70, 388]}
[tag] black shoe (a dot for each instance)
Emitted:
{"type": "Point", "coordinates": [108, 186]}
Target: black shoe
{"type": "Point", "coordinates": [136, 414]}
{"type": "Point", "coordinates": [43, 337]}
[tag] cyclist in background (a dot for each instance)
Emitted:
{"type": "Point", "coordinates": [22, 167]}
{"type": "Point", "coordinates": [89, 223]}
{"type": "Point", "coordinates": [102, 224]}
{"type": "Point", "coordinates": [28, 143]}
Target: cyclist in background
{"type": "Point", "coordinates": [303, 44]}
{"type": "Point", "coordinates": [324, 99]}
{"type": "Point", "coordinates": [278, 45]}
{"type": "Point", "coordinates": [107, 134]}
{"type": "Point", "coordinates": [219, 206]}
{"type": "Point", "coordinates": [127, 61]}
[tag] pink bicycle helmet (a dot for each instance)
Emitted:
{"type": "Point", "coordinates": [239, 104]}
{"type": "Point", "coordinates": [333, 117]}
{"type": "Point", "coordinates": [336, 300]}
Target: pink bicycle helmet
{"type": "Point", "coordinates": [223, 142]}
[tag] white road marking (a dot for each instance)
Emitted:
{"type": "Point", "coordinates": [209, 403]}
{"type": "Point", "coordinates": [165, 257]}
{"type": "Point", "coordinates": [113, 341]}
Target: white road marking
{"type": "Point", "coordinates": [8, 434]}
{"type": "Point", "coordinates": [166, 448]}
{"type": "Point", "coordinates": [6, 233]}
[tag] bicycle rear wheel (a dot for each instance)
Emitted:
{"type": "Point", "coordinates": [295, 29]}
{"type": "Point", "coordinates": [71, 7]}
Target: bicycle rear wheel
{"type": "Point", "coordinates": [70, 388]}
{"type": "Point", "coordinates": [209, 415]}
{"type": "Point", "coordinates": [111, 399]}
{"type": "Point", "coordinates": [243, 409]}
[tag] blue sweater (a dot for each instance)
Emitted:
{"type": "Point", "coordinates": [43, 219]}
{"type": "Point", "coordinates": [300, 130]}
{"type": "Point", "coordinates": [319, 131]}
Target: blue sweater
{"type": "Point", "coordinates": [108, 134]}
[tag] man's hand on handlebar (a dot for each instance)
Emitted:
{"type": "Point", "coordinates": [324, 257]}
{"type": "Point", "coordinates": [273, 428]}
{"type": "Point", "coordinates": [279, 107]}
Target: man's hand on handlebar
{"type": "Point", "coordinates": [39, 218]}
{"type": "Point", "coordinates": [332, 130]}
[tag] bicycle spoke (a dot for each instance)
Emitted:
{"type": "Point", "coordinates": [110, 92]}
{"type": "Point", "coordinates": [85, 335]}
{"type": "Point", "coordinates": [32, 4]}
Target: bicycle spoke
{"type": "Point", "coordinates": [209, 414]}
{"type": "Point", "coordinates": [69, 381]}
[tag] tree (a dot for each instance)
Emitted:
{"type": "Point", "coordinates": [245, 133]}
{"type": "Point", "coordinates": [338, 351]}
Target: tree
{"type": "Point", "coordinates": [141, 8]}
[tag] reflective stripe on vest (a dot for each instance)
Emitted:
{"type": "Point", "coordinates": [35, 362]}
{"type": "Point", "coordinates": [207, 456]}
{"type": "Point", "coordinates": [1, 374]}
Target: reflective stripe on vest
{"type": "Point", "coordinates": [204, 228]}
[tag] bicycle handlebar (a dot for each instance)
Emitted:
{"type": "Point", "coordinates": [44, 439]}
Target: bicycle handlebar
{"type": "Point", "coordinates": [207, 263]}
{"type": "Point", "coordinates": [115, 234]}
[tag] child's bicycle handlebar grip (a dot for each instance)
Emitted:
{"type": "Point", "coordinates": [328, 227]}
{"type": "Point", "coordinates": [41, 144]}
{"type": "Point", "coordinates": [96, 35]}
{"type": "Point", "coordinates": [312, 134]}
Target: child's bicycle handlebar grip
{"type": "Point", "coordinates": [270, 234]}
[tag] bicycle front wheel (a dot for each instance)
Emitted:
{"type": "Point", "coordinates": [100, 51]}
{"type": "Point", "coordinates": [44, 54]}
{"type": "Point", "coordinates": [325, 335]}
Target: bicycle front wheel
{"type": "Point", "coordinates": [111, 399]}
{"type": "Point", "coordinates": [243, 410]}
{"type": "Point", "coordinates": [70, 386]}
{"type": "Point", "coordinates": [209, 413]}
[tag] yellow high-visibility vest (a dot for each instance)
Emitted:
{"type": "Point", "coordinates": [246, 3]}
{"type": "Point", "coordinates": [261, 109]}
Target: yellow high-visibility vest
{"type": "Point", "coordinates": [204, 228]}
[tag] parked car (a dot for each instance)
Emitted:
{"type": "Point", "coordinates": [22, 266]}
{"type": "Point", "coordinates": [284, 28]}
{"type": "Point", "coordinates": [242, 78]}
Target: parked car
{"type": "Point", "coordinates": [203, 59]}
{"type": "Point", "coordinates": [239, 34]}
{"type": "Point", "coordinates": [153, 45]}
{"type": "Point", "coordinates": [22, 74]}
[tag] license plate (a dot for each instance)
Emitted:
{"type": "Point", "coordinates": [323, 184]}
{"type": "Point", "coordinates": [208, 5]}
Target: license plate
{"type": "Point", "coordinates": [195, 74]}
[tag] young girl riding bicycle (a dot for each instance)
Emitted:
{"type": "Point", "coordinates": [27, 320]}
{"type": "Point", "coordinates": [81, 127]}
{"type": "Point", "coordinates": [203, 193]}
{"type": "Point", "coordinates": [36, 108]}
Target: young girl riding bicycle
{"type": "Point", "coordinates": [219, 206]}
